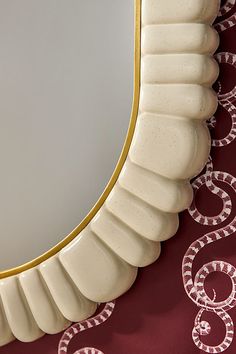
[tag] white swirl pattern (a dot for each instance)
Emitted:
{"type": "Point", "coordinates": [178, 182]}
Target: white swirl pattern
{"type": "Point", "coordinates": [195, 287]}
{"type": "Point", "coordinates": [226, 100]}
{"type": "Point", "coordinates": [77, 328]}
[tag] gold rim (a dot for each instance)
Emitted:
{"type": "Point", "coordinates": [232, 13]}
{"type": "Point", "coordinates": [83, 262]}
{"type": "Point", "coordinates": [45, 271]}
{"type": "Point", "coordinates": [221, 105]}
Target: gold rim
{"type": "Point", "coordinates": [134, 113]}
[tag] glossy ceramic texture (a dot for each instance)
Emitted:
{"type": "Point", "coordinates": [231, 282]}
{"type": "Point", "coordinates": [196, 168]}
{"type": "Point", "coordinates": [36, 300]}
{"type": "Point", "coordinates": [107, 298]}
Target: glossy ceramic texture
{"type": "Point", "coordinates": [170, 145]}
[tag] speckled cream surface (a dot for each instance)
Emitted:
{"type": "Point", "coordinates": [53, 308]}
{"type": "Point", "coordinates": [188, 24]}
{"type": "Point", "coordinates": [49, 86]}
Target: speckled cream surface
{"type": "Point", "coordinates": [170, 145]}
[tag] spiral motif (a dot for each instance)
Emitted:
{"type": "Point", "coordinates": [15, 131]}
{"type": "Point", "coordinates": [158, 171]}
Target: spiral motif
{"type": "Point", "coordinates": [228, 22]}
{"type": "Point", "coordinates": [207, 180]}
{"type": "Point", "coordinates": [226, 100]}
{"type": "Point", "coordinates": [79, 327]}
{"type": "Point", "coordinates": [203, 328]}
{"type": "Point", "coordinates": [195, 287]}
{"type": "Point", "coordinates": [229, 4]}
{"type": "Point", "coordinates": [230, 59]}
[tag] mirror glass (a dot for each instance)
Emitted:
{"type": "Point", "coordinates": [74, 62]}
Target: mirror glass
{"type": "Point", "coordinates": [66, 86]}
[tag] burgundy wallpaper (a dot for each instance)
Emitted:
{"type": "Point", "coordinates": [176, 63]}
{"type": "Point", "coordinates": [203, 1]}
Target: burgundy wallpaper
{"type": "Point", "coordinates": [185, 303]}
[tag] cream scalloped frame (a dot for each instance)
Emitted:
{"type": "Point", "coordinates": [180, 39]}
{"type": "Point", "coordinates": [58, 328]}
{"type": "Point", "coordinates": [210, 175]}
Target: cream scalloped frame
{"type": "Point", "coordinates": [167, 144]}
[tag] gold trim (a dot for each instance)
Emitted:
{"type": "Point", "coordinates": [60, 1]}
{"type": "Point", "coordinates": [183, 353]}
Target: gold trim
{"type": "Point", "coordinates": [121, 161]}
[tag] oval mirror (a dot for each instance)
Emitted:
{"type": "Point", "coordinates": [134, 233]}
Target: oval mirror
{"type": "Point", "coordinates": [66, 86]}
